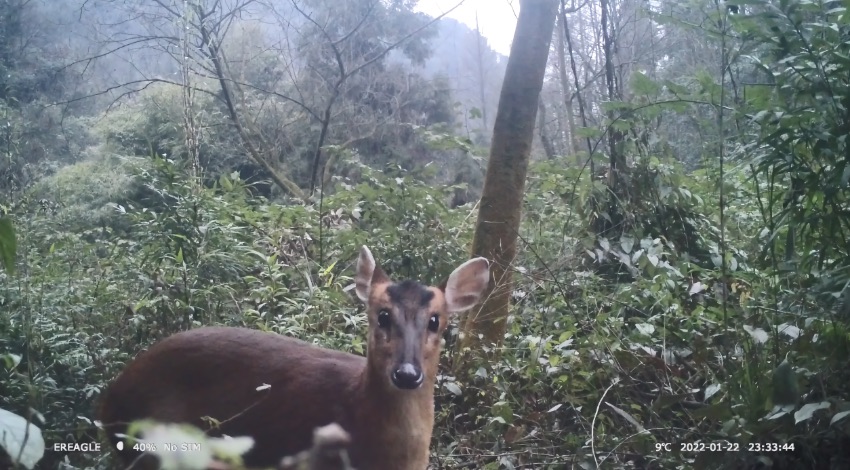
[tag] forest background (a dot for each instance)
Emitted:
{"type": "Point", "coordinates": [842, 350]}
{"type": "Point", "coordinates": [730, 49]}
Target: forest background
{"type": "Point", "coordinates": [683, 256]}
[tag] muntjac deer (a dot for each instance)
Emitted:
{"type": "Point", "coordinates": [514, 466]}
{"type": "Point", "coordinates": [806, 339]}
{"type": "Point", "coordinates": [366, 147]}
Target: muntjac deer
{"type": "Point", "coordinates": [385, 401]}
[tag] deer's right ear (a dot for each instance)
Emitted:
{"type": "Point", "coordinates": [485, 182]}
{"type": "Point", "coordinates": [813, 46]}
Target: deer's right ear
{"type": "Point", "coordinates": [365, 269]}
{"type": "Point", "coordinates": [368, 273]}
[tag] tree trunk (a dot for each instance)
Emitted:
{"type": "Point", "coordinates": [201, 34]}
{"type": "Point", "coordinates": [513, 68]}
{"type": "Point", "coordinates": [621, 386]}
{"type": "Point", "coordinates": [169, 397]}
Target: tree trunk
{"type": "Point", "coordinates": [501, 201]}
{"type": "Point", "coordinates": [573, 143]}
{"type": "Point", "coordinates": [617, 160]}
{"type": "Point", "coordinates": [548, 146]}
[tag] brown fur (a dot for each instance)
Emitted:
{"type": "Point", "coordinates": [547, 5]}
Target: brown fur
{"type": "Point", "coordinates": [166, 384]}
{"type": "Point", "coordinates": [215, 372]}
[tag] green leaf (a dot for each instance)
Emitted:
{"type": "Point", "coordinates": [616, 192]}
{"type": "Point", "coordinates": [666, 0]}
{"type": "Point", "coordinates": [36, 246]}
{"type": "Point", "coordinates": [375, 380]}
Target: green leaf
{"type": "Point", "coordinates": [621, 125]}
{"type": "Point", "coordinates": [454, 388]}
{"type": "Point", "coordinates": [18, 437]}
{"type": "Point", "coordinates": [11, 360]}
{"type": "Point", "coordinates": [759, 336]}
{"type": "Point", "coordinates": [8, 244]}
{"type": "Point", "coordinates": [838, 417]}
{"type": "Point", "coordinates": [615, 105]}
{"type": "Point", "coordinates": [845, 176]}
{"type": "Point", "coordinates": [591, 132]}
{"type": "Point", "coordinates": [675, 106]}
{"type": "Point", "coordinates": [808, 410]}
{"type": "Point", "coordinates": [785, 388]}
{"type": "Point", "coordinates": [642, 85]}
{"type": "Point", "coordinates": [707, 82]}
{"type": "Point", "coordinates": [503, 412]}
{"type": "Point", "coordinates": [628, 417]}
{"type": "Point", "coordinates": [225, 183]}
{"type": "Point", "coordinates": [675, 88]}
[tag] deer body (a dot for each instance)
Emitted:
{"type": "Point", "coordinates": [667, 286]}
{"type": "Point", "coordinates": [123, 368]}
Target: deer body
{"type": "Point", "coordinates": [241, 360]}
{"type": "Point", "coordinates": [384, 401]}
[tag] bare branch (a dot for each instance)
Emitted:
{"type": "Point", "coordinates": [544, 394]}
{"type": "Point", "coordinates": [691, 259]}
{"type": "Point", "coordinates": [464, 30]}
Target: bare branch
{"type": "Point", "coordinates": [357, 26]}
{"type": "Point", "coordinates": [110, 51]}
{"type": "Point", "coordinates": [146, 83]}
{"type": "Point", "coordinates": [214, 56]}
{"type": "Point", "coordinates": [345, 75]}
{"type": "Point", "coordinates": [401, 41]}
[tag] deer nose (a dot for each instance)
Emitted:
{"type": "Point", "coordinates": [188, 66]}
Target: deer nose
{"type": "Point", "coordinates": [407, 377]}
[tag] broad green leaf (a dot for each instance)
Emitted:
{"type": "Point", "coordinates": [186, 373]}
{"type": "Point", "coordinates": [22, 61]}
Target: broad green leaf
{"type": "Point", "coordinates": [503, 410]}
{"type": "Point", "coordinates": [8, 244]}
{"type": "Point", "coordinates": [159, 438]}
{"type": "Point", "coordinates": [711, 390]}
{"type": "Point", "coordinates": [645, 329]}
{"type": "Point", "coordinates": [758, 334]}
{"type": "Point", "coordinates": [20, 438]}
{"type": "Point", "coordinates": [838, 417]}
{"type": "Point", "coordinates": [631, 420]}
{"type": "Point", "coordinates": [11, 360]}
{"type": "Point", "coordinates": [808, 410]}
{"type": "Point", "coordinates": [454, 388]}
{"type": "Point", "coordinates": [696, 288]}
{"type": "Point", "coordinates": [627, 243]}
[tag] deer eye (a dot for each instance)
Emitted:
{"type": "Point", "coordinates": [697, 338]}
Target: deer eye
{"type": "Point", "coordinates": [434, 323]}
{"type": "Point", "coordinates": [384, 318]}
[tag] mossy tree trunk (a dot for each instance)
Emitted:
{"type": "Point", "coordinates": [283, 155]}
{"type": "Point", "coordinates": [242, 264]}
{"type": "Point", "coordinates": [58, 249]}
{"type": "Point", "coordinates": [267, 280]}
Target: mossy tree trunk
{"type": "Point", "coordinates": [501, 201]}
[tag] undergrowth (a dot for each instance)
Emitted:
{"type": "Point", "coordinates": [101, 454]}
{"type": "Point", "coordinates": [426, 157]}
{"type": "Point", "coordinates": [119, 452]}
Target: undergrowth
{"type": "Point", "coordinates": [620, 350]}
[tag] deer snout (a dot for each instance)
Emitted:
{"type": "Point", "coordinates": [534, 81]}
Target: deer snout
{"type": "Point", "coordinates": [408, 376]}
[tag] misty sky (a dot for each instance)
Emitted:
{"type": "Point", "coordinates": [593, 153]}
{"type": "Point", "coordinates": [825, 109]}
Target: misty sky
{"type": "Point", "coordinates": [496, 18]}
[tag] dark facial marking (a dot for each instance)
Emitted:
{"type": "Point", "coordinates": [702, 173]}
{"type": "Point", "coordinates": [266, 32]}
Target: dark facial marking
{"type": "Point", "coordinates": [410, 293]}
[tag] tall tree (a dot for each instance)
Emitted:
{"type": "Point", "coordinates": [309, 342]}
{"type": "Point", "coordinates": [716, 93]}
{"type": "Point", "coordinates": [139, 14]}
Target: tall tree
{"type": "Point", "coordinates": [616, 156]}
{"type": "Point", "coordinates": [504, 185]}
{"type": "Point", "coordinates": [573, 143]}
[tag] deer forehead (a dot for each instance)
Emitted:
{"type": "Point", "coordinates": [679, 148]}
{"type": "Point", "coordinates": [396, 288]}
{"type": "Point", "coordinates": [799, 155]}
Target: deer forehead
{"type": "Point", "coordinates": [408, 296]}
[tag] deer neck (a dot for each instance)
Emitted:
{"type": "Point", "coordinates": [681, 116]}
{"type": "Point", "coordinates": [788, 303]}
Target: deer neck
{"type": "Point", "coordinates": [397, 423]}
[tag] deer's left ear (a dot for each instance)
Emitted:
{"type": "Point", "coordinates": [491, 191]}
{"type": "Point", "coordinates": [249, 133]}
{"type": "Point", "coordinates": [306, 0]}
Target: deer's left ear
{"type": "Point", "coordinates": [466, 284]}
